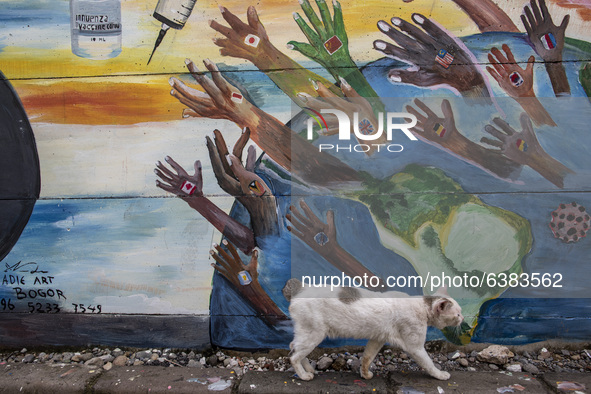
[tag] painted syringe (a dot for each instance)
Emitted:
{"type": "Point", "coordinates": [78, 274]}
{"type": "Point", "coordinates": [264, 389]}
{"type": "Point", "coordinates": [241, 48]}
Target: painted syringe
{"type": "Point", "coordinates": [172, 13]}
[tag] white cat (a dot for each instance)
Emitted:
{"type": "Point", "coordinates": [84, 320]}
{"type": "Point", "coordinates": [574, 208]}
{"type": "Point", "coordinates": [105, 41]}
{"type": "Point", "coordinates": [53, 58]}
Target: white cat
{"type": "Point", "coordinates": [348, 312]}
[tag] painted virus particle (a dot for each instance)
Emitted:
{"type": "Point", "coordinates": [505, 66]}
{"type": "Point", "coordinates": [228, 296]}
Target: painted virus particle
{"type": "Point", "coordinates": [570, 222]}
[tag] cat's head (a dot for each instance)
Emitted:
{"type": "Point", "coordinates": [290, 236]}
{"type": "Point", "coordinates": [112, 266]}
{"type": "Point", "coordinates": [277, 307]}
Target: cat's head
{"type": "Point", "coordinates": [446, 311]}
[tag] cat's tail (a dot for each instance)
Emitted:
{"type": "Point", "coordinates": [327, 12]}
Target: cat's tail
{"type": "Point", "coordinates": [291, 289]}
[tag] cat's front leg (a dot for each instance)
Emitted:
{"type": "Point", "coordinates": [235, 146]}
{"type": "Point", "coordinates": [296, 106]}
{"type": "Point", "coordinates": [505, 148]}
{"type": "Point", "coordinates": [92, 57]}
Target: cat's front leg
{"type": "Point", "coordinates": [422, 358]}
{"type": "Point", "coordinates": [307, 366]}
{"type": "Point", "coordinates": [371, 350]}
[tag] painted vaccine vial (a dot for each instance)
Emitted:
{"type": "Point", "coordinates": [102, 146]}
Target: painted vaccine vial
{"type": "Point", "coordinates": [95, 28]}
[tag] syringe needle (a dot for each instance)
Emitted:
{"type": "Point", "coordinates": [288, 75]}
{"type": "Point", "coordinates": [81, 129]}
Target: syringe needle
{"type": "Point", "coordinates": [159, 39]}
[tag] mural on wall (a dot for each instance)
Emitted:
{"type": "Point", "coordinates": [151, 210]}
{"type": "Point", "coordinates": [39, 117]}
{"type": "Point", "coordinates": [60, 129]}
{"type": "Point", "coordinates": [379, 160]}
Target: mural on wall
{"type": "Point", "coordinates": [446, 141]}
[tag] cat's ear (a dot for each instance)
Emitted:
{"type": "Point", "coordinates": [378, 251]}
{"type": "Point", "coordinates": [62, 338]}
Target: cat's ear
{"type": "Point", "coordinates": [440, 305]}
{"type": "Point", "coordinates": [442, 292]}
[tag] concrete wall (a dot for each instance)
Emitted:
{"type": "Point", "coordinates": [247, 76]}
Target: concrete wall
{"type": "Point", "coordinates": [104, 240]}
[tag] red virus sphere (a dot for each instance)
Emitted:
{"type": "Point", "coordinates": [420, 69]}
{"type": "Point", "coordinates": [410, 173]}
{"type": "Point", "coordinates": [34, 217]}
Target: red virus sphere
{"type": "Point", "coordinates": [570, 222]}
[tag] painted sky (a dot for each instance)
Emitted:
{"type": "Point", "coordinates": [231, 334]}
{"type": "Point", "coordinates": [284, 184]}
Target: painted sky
{"type": "Point", "coordinates": [35, 52]}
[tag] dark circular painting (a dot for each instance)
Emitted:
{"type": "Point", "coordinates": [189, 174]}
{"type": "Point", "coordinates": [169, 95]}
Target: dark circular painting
{"type": "Point", "coordinates": [20, 180]}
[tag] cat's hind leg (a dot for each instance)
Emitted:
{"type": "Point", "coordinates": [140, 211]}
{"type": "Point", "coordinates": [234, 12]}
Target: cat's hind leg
{"type": "Point", "coordinates": [371, 350]}
{"type": "Point", "coordinates": [302, 345]}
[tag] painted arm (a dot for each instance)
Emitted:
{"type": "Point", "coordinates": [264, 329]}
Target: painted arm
{"type": "Point", "coordinates": [245, 279]}
{"type": "Point", "coordinates": [548, 42]}
{"type": "Point", "coordinates": [251, 42]}
{"type": "Point", "coordinates": [437, 58]}
{"type": "Point", "coordinates": [523, 148]}
{"type": "Point", "coordinates": [190, 188]}
{"type": "Point", "coordinates": [239, 181]}
{"type": "Point", "coordinates": [224, 101]}
{"type": "Point", "coordinates": [518, 83]}
{"type": "Point", "coordinates": [329, 45]}
{"type": "Point", "coordinates": [487, 15]}
{"type": "Point", "coordinates": [322, 238]}
{"type": "Point", "coordinates": [354, 103]}
{"type": "Point", "coordinates": [442, 132]}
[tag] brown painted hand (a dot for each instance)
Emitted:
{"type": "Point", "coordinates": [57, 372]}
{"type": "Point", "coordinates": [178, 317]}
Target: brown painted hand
{"type": "Point", "coordinates": [242, 183]}
{"type": "Point", "coordinates": [221, 100]}
{"type": "Point", "coordinates": [231, 174]}
{"type": "Point", "coordinates": [190, 189]}
{"type": "Point", "coordinates": [523, 148]}
{"type": "Point", "coordinates": [518, 83]}
{"type": "Point", "coordinates": [181, 184]}
{"type": "Point", "coordinates": [244, 41]}
{"type": "Point", "coordinates": [514, 80]}
{"type": "Point", "coordinates": [442, 131]}
{"type": "Point", "coordinates": [353, 103]}
{"type": "Point", "coordinates": [436, 57]}
{"type": "Point", "coordinates": [545, 36]}
{"type": "Point", "coordinates": [320, 236]}
{"type": "Point", "coordinates": [245, 279]}
{"type": "Point", "coordinates": [230, 265]}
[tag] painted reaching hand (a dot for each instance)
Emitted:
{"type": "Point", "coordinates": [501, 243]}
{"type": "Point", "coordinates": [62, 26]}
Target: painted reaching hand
{"type": "Point", "coordinates": [328, 44]}
{"type": "Point", "coordinates": [548, 42]}
{"type": "Point", "coordinates": [180, 184]}
{"type": "Point", "coordinates": [546, 38]}
{"type": "Point", "coordinates": [322, 238]}
{"type": "Point", "coordinates": [442, 131]}
{"type": "Point", "coordinates": [250, 41]}
{"type": "Point", "coordinates": [221, 100]}
{"type": "Point", "coordinates": [240, 181]}
{"type": "Point", "coordinates": [518, 82]}
{"type": "Point", "coordinates": [436, 57]}
{"type": "Point", "coordinates": [353, 103]}
{"type": "Point", "coordinates": [190, 188]}
{"type": "Point", "coordinates": [514, 80]}
{"type": "Point", "coordinates": [245, 41]}
{"type": "Point", "coordinates": [245, 280]}
{"type": "Point", "coordinates": [523, 148]}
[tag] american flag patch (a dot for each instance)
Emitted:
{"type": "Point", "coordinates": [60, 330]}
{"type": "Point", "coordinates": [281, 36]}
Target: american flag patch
{"type": "Point", "coordinates": [333, 44]}
{"type": "Point", "coordinates": [188, 187]}
{"type": "Point", "coordinates": [365, 127]}
{"type": "Point", "coordinates": [548, 41]}
{"type": "Point", "coordinates": [439, 129]}
{"type": "Point", "coordinates": [444, 58]}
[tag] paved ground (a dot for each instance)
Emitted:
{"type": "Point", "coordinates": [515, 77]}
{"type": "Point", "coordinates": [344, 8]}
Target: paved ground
{"type": "Point", "coordinates": [68, 378]}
